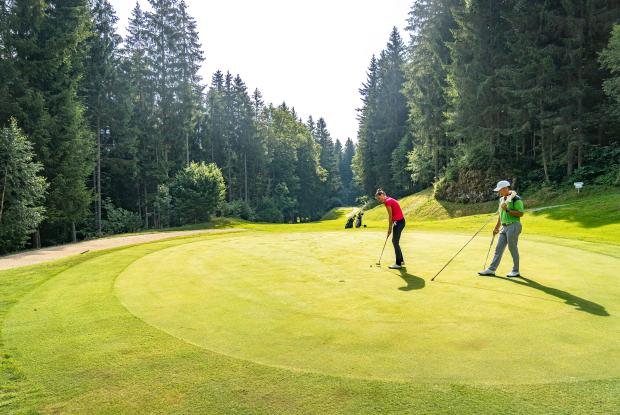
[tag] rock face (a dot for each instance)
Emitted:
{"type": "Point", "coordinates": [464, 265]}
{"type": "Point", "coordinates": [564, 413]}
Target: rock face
{"type": "Point", "coordinates": [471, 186]}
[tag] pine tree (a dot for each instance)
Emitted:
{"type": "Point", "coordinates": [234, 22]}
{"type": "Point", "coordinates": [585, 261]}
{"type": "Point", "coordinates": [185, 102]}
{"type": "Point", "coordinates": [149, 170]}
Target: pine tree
{"type": "Point", "coordinates": [383, 119]}
{"type": "Point", "coordinates": [257, 103]}
{"type": "Point", "coordinates": [48, 44]}
{"type": "Point", "coordinates": [150, 162]}
{"type": "Point", "coordinates": [364, 166]}
{"type": "Point", "coordinates": [186, 64]}
{"type": "Point", "coordinates": [247, 147]}
{"type": "Point", "coordinates": [430, 25]}
{"type": "Point", "coordinates": [99, 88]}
{"type": "Point", "coordinates": [328, 161]}
{"type": "Point", "coordinates": [7, 72]}
{"type": "Point", "coordinates": [349, 189]}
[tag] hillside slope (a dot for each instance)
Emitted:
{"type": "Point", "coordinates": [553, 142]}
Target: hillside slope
{"type": "Point", "coordinates": [593, 215]}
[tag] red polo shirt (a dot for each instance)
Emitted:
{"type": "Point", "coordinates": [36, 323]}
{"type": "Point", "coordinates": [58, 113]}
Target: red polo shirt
{"type": "Point", "coordinates": [397, 213]}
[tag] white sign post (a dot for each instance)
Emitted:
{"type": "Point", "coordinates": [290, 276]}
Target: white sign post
{"type": "Point", "coordinates": [578, 186]}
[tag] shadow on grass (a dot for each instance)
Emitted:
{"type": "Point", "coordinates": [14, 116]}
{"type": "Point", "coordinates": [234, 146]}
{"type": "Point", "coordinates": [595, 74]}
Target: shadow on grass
{"type": "Point", "coordinates": [413, 282]}
{"type": "Point", "coordinates": [589, 212]}
{"type": "Point", "coordinates": [579, 303]}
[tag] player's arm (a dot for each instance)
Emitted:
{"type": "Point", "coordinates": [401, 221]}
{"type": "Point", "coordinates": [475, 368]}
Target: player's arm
{"type": "Point", "coordinates": [518, 209]}
{"type": "Point", "coordinates": [390, 221]}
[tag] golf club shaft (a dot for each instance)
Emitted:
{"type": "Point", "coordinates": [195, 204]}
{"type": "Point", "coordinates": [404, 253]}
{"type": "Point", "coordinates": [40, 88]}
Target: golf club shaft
{"type": "Point", "coordinates": [488, 252]}
{"type": "Point", "coordinates": [470, 239]}
{"type": "Point", "coordinates": [385, 243]}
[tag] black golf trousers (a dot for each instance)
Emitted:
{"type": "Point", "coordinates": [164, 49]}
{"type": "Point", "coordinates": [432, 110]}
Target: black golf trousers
{"type": "Point", "coordinates": [397, 229]}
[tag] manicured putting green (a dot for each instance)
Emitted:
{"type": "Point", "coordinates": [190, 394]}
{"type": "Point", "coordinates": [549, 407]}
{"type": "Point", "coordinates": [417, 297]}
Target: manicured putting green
{"type": "Point", "coordinates": [312, 302]}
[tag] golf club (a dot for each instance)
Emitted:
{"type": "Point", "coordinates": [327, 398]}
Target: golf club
{"type": "Point", "coordinates": [470, 239]}
{"type": "Point", "coordinates": [488, 252]}
{"type": "Point", "coordinates": [381, 256]}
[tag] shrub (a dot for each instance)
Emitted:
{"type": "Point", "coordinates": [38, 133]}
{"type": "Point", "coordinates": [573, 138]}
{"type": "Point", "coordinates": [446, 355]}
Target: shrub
{"type": "Point", "coordinates": [239, 209]}
{"type": "Point", "coordinates": [196, 192]}
{"type": "Point", "coordinates": [268, 211]}
{"type": "Point", "coordinates": [119, 220]}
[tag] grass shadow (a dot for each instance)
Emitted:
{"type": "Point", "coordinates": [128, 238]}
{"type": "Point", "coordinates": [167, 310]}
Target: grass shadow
{"type": "Point", "coordinates": [589, 212]}
{"type": "Point", "coordinates": [579, 303]}
{"type": "Point", "coordinates": [413, 282]}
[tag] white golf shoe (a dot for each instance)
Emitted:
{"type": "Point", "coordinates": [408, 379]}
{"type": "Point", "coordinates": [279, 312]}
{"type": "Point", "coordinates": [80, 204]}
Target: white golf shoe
{"type": "Point", "coordinates": [487, 273]}
{"type": "Point", "coordinates": [513, 274]}
{"type": "Point", "coordinates": [395, 266]}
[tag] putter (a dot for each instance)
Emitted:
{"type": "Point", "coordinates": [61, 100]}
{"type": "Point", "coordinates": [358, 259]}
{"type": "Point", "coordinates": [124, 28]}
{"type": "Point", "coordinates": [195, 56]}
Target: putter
{"type": "Point", "coordinates": [467, 243]}
{"type": "Point", "coordinates": [488, 252]}
{"type": "Point", "coordinates": [381, 256]}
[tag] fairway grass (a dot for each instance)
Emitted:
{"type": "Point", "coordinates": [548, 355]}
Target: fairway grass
{"type": "Point", "coordinates": [294, 319]}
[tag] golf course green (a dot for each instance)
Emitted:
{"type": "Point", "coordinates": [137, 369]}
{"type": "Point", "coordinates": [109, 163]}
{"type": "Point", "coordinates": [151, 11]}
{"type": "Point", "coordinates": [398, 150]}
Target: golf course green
{"type": "Point", "coordinates": [299, 319]}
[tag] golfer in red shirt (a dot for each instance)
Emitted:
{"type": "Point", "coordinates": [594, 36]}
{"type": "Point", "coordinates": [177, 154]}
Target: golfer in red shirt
{"type": "Point", "coordinates": [396, 219]}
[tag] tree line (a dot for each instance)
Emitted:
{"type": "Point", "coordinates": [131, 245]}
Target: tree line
{"type": "Point", "coordinates": [123, 133]}
{"type": "Point", "coordinates": [518, 89]}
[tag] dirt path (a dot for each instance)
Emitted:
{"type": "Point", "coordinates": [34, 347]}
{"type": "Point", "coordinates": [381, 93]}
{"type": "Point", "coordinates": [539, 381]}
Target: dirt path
{"type": "Point", "coordinates": [61, 251]}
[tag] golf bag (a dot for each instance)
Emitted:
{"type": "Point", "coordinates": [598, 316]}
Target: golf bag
{"type": "Point", "coordinates": [358, 221]}
{"type": "Point", "coordinates": [349, 223]}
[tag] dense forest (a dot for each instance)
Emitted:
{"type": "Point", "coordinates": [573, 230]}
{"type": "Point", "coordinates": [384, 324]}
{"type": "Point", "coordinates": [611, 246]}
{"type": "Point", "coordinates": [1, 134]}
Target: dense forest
{"type": "Point", "coordinates": [102, 134]}
{"type": "Point", "coordinates": [525, 90]}
{"type": "Point", "coordinates": [127, 135]}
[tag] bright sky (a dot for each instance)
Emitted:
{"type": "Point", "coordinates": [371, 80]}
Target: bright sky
{"type": "Point", "coordinates": [311, 54]}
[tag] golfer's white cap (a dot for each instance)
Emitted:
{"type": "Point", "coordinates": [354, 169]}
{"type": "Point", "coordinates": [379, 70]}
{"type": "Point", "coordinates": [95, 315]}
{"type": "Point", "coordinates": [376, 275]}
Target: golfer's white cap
{"type": "Point", "coordinates": [501, 184]}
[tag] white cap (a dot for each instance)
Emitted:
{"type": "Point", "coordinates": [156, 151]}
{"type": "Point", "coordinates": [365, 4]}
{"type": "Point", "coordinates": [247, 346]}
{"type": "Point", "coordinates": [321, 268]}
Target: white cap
{"type": "Point", "coordinates": [501, 184]}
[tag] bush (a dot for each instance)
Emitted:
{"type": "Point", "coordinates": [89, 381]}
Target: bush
{"type": "Point", "coordinates": [239, 209]}
{"type": "Point", "coordinates": [601, 165]}
{"type": "Point", "coordinates": [119, 220]}
{"type": "Point", "coordinates": [22, 189]}
{"type": "Point", "coordinates": [268, 211]}
{"type": "Point", "coordinates": [196, 192]}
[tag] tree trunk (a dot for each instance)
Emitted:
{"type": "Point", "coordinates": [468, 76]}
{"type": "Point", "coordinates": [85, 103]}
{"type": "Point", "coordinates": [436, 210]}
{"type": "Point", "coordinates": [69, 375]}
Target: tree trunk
{"type": "Point", "coordinates": [139, 199]}
{"type": "Point", "coordinates": [580, 132]}
{"type": "Point", "coordinates": [146, 209]}
{"type": "Point", "coordinates": [570, 155]}
{"type": "Point", "coordinates": [230, 189]}
{"type": "Point", "coordinates": [542, 143]}
{"type": "Point", "coordinates": [187, 147]}
{"type": "Point", "coordinates": [245, 168]}
{"type": "Point", "coordinates": [98, 196]}
{"type": "Point", "coordinates": [6, 177]}
{"type": "Point", "coordinates": [73, 232]}
{"type": "Point", "coordinates": [37, 239]}
{"type": "Point", "coordinates": [544, 157]}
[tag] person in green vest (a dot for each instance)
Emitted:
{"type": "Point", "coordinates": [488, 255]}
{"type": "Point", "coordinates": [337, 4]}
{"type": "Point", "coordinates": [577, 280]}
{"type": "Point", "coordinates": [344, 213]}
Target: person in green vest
{"type": "Point", "coordinates": [510, 212]}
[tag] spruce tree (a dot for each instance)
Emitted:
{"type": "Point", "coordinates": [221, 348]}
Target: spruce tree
{"type": "Point", "coordinates": [106, 104]}
{"type": "Point", "coordinates": [150, 161]}
{"type": "Point", "coordinates": [328, 161]}
{"type": "Point", "coordinates": [430, 25]}
{"type": "Point", "coordinates": [364, 166]}
{"type": "Point", "coordinates": [187, 61]}
{"type": "Point", "coordinates": [48, 43]}
{"type": "Point", "coordinates": [346, 173]}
